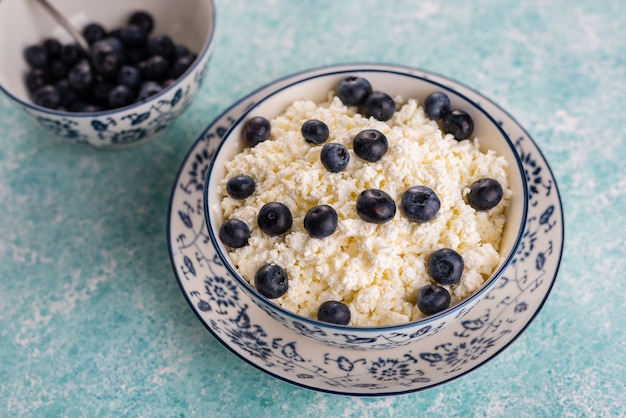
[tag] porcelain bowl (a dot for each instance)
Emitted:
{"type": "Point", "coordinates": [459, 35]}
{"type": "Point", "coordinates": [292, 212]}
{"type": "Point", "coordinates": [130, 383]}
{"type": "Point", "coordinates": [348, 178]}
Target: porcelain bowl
{"type": "Point", "coordinates": [25, 23]}
{"type": "Point", "coordinates": [316, 88]}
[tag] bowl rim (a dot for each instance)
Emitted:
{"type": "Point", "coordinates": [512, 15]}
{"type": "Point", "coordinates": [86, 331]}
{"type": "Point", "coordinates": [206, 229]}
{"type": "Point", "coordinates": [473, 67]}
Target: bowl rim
{"type": "Point", "coordinates": [204, 52]}
{"type": "Point", "coordinates": [340, 69]}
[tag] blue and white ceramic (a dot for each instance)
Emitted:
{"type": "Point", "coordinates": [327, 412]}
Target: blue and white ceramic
{"type": "Point", "coordinates": [485, 329]}
{"type": "Point", "coordinates": [395, 83]}
{"type": "Point", "coordinates": [24, 23]}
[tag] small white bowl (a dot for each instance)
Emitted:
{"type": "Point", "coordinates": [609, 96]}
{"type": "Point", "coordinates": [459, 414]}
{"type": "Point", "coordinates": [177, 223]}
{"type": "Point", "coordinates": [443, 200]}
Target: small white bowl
{"type": "Point", "coordinates": [316, 88]}
{"type": "Point", "coordinates": [25, 23]}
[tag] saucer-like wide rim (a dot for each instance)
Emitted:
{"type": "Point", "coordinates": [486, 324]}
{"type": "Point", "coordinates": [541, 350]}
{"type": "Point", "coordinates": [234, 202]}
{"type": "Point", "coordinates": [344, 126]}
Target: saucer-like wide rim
{"type": "Point", "coordinates": [202, 148]}
{"type": "Point", "coordinates": [424, 322]}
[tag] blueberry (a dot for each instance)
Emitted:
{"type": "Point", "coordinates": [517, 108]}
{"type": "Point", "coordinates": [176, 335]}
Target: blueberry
{"type": "Point", "coordinates": [93, 32]}
{"type": "Point", "coordinates": [320, 221]}
{"type": "Point", "coordinates": [334, 312]}
{"type": "Point", "coordinates": [129, 76]}
{"type": "Point", "coordinates": [335, 157]}
{"type": "Point", "coordinates": [71, 54]}
{"type": "Point", "coordinates": [141, 65]}
{"type": "Point", "coordinates": [133, 56]}
{"type": "Point", "coordinates": [182, 64]}
{"type": "Point", "coordinates": [484, 194]}
{"type": "Point", "coordinates": [121, 96]}
{"type": "Point", "coordinates": [156, 68]}
{"type": "Point", "coordinates": [458, 123]}
{"type": "Point", "coordinates": [271, 281]}
{"type": "Point", "coordinates": [36, 56]}
{"type": "Point", "coordinates": [432, 299]}
{"type": "Point", "coordinates": [81, 76]}
{"type": "Point", "coordinates": [181, 51]}
{"type": "Point", "coordinates": [77, 106]}
{"type": "Point", "coordinates": [379, 105]}
{"type": "Point", "coordinates": [66, 94]}
{"type": "Point", "coordinates": [52, 48]}
{"type": "Point", "coordinates": [445, 266]}
{"type": "Point", "coordinates": [375, 206]}
{"type": "Point", "coordinates": [133, 36]}
{"type": "Point", "coordinates": [100, 92]}
{"type": "Point", "coordinates": [436, 105]}
{"type": "Point", "coordinates": [48, 96]}
{"type": "Point", "coordinates": [106, 56]}
{"type": "Point", "coordinates": [168, 82]}
{"type": "Point", "coordinates": [234, 233]}
{"type": "Point", "coordinates": [115, 33]}
{"type": "Point", "coordinates": [58, 70]}
{"type": "Point", "coordinates": [370, 145]}
{"type": "Point", "coordinates": [142, 19]}
{"type": "Point", "coordinates": [162, 45]}
{"type": "Point", "coordinates": [36, 79]}
{"type": "Point", "coordinates": [116, 43]}
{"type": "Point", "coordinates": [85, 107]}
{"type": "Point", "coordinates": [419, 204]}
{"type": "Point", "coordinates": [256, 130]}
{"type": "Point", "coordinates": [314, 131]}
{"type": "Point", "coordinates": [353, 90]}
{"type": "Point", "coordinates": [240, 187]}
{"type": "Point", "coordinates": [274, 218]}
{"type": "Point", "coordinates": [148, 89]}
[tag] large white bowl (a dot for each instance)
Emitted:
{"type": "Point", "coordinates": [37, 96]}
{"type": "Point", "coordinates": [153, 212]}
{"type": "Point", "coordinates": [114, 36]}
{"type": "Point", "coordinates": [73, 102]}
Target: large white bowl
{"type": "Point", "coordinates": [25, 23]}
{"type": "Point", "coordinates": [394, 83]}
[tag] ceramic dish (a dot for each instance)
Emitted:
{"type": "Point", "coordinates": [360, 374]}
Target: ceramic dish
{"type": "Point", "coordinates": [396, 84]}
{"type": "Point", "coordinates": [26, 23]}
{"type": "Point", "coordinates": [489, 327]}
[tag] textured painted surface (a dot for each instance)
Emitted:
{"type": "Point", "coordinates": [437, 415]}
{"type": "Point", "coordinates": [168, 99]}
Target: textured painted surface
{"type": "Point", "coordinates": [92, 322]}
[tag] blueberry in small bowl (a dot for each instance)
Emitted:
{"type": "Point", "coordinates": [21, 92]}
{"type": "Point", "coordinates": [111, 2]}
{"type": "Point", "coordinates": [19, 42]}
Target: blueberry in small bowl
{"type": "Point", "coordinates": [384, 206]}
{"type": "Point", "coordinates": [145, 65]}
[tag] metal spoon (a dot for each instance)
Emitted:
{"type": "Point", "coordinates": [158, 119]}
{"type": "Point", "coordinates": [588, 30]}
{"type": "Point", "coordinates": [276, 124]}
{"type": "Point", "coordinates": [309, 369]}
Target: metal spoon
{"type": "Point", "coordinates": [75, 33]}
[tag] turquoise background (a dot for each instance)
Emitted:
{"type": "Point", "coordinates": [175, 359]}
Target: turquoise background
{"type": "Point", "coordinates": [92, 322]}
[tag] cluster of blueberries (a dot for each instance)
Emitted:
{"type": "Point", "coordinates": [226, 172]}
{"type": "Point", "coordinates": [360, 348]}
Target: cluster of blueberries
{"type": "Point", "coordinates": [418, 203]}
{"type": "Point", "coordinates": [123, 66]}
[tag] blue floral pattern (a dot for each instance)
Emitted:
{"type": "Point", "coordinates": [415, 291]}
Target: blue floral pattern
{"type": "Point", "coordinates": [62, 127]}
{"type": "Point", "coordinates": [477, 335]}
{"type": "Point", "coordinates": [124, 128]}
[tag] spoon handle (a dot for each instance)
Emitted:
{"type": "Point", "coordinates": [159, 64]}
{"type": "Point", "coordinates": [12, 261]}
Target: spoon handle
{"type": "Point", "coordinates": [78, 37]}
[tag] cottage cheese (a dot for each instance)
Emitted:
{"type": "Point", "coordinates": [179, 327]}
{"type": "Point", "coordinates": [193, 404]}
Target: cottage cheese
{"type": "Point", "coordinates": [376, 270]}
